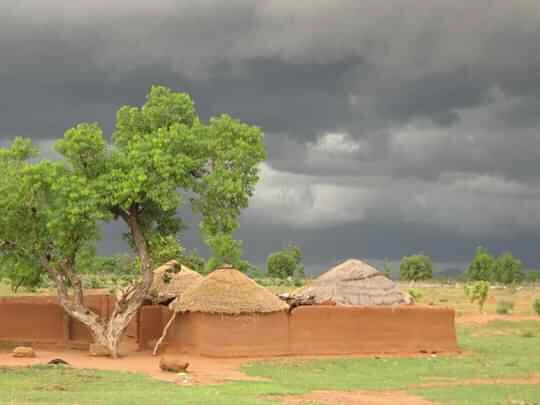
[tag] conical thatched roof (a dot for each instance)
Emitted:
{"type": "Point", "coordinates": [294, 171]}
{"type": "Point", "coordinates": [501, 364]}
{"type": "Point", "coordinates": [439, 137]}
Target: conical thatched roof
{"type": "Point", "coordinates": [353, 282]}
{"type": "Point", "coordinates": [228, 291]}
{"type": "Point", "coordinates": [171, 280]}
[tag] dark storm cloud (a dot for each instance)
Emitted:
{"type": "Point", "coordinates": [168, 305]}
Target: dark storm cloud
{"type": "Point", "coordinates": [436, 96]}
{"type": "Point", "coordinates": [419, 123]}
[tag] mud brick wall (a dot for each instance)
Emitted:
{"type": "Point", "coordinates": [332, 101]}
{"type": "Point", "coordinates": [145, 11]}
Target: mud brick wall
{"type": "Point", "coordinates": [314, 330]}
{"type": "Point", "coordinates": [40, 319]}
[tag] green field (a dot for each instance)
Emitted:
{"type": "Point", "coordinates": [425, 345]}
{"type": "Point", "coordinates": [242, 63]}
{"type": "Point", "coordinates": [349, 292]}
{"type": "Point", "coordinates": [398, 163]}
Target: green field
{"type": "Point", "coordinates": [500, 349]}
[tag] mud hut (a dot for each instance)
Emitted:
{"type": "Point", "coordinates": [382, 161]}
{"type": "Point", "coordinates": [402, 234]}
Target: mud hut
{"type": "Point", "coordinates": [170, 281]}
{"type": "Point", "coordinates": [227, 314]}
{"type": "Point", "coordinates": [228, 291]}
{"type": "Point", "coordinates": [352, 282]}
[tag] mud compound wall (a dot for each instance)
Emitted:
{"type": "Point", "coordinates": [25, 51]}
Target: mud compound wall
{"type": "Point", "coordinates": [349, 330]}
{"type": "Point", "coordinates": [23, 321]}
{"type": "Point", "coordinates": [316, 330]}
{"type": "Point", "coordinates": [41, 320]}
{"type": "Point", "coordinates": [231, 336]}
{"type": "Point", "coordinates": [152, 320]}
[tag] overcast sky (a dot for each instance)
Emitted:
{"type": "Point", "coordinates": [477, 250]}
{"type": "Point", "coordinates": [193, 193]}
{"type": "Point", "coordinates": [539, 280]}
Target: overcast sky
{"type": "Point", "coordinates": [392, 126]}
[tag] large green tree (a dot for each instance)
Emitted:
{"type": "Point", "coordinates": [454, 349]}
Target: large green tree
{"type": "Point", "coordinates": [160, 156]}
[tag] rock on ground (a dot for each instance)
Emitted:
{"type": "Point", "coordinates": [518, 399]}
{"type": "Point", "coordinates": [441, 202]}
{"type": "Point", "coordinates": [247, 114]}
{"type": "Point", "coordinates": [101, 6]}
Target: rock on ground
{"type": "Point", "coordinates": [98, 350]}
{"type": "Point", "coordinates": [174, 365]}
{"type": "Point", "coordinates": [24, 351]}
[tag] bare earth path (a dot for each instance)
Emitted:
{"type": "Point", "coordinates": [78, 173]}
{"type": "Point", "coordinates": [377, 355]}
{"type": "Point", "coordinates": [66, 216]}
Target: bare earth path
{"type": "Point", "coordinates": [201, 370]}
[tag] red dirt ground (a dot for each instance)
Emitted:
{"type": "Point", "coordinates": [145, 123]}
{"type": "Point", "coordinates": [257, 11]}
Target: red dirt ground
{"type": "Point", "coordinates": [201, 370]}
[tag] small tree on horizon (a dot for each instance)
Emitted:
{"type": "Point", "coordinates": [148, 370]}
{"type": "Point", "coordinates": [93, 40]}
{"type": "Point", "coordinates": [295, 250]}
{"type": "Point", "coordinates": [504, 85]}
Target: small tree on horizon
{"type": "Point", "coordinates": [416, 268]}
{"type": "Point", "coordinates": [507, 269]}
{"type": "Point", "coordinates": [286, 263]}
{"type": "Point", "coordinates": [481, 266]}
{"type": "Point", "coordinates": [504, 269]}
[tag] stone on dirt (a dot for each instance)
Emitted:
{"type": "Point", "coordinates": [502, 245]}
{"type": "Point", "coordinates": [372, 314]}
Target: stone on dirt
{"type": "Point", "coordinates": [58, 362]}
{"type": "Point", "coordinates": [98, 350]}
{"type": "Point", "coordinates": [24, 351]}
{"type": "Point", "coordinates": [173, 365]}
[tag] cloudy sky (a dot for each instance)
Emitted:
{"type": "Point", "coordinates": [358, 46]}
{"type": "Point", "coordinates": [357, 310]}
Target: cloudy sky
{"type": "Point", "coordinates": [392, 126]}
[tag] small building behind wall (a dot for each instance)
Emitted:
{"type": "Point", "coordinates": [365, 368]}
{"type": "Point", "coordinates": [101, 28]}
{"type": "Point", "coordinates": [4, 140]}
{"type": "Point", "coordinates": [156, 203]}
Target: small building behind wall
{"type": "Point", "coordinates": [170, 281]}
{"type": "Point", "coordinates": [352, 283]}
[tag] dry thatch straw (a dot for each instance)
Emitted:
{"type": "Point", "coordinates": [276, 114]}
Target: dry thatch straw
{"type": "Point", "coordinates": [353, 282]}
{"type": "Point", "coordinates": [228, 291]}
{"type": "Point", "coordinates": [171, 280]}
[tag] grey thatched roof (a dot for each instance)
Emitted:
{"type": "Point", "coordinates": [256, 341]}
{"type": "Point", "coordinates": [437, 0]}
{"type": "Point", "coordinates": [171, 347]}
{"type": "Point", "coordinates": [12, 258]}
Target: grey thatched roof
{"type": "Point", "coordinates": [228, 291]}
{"type": "Point", "coordinates": [353, 282]}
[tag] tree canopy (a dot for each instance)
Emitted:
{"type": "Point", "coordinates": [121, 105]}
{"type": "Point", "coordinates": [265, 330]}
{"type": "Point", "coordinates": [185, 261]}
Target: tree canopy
{"type": "Point", "coordinates": [159, 156]}
{"type": "Point", "coordinates": [286, 263]}
{"type": "Point", "coordinates": [504, 269]}
{"type": "Point", "coordinates": [416, 268]}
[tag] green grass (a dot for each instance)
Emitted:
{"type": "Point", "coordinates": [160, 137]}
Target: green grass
{"type": "Point", "coordinates": [495, 356]}
{"type": "Point", "coordinates": [484, 395]}
{"type": "Point", "coordinates": [510, 353]}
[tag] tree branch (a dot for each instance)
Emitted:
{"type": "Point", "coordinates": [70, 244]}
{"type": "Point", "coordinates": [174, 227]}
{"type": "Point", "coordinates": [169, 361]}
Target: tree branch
{"type": "Point", "coordinates": [67, 268]}
{"type": "Point", "coordinates": [142, 251]}
{"type": "Point", "coordinates": [120, 212]}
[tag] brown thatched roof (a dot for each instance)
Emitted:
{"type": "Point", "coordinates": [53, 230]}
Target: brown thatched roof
{"type": "Point", "coordinates": [228, 291]}
{"type": "Point", "coordinates": [171, 280]}
{"type": "Point", "coordinates": [353, 282]}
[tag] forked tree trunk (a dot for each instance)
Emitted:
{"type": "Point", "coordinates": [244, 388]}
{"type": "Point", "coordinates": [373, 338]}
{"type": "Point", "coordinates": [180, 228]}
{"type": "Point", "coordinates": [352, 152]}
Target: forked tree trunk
{"type": "Point", "coordinates": [105, 332]}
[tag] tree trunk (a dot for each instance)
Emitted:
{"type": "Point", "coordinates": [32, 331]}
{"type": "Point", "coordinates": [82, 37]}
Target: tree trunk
{"type": "Point", "coordinates": [105, 332]}
{"type": "Point", "coordinates": [109, 332]}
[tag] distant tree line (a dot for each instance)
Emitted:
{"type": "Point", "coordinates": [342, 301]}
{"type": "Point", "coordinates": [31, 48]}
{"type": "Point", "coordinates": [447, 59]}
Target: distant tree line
{"type": "Point", "coordinates": [504, 269]}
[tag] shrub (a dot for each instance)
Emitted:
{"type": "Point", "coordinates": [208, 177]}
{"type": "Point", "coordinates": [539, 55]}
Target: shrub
{"type": "Point", "coordinates": [298, 282]}
{"type": "Point", "coordinates": [416, 268]}
{"type": "Point", "coordinates": [528, 334]}
{"type": "Point", "coordinates": [415, 294]}
{"type": "Point", "coordinates": [387, 269]}
{"type": "Point", "coordinates": [95, 282]}
{"type": "Point", "coordinates": [504, 307]}
{"type": "Point", "coordinates": [536, 306]}
{"type": "Point", "coordinates": [477, 291]}
{"type": "Point", "coordinates": [532, 276]}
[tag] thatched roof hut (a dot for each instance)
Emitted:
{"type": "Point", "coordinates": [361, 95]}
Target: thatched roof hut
{"type": "Point", "coordinates": [352, 282]}
{"type": "Point", "coordinates": [228, 291]}
{"type": "Point", "coordinates": [171, 280]}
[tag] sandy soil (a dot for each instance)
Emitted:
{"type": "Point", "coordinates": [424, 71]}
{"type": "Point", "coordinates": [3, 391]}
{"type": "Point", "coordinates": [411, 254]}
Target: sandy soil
{"type": "Point", "coordinates": [354, 398]}
{"type": "Point", "coordinates": [201, 370]}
